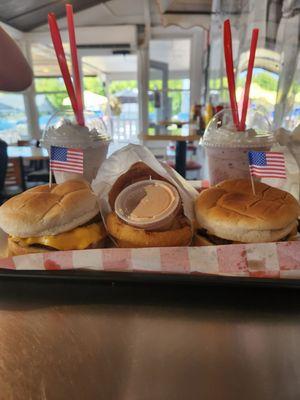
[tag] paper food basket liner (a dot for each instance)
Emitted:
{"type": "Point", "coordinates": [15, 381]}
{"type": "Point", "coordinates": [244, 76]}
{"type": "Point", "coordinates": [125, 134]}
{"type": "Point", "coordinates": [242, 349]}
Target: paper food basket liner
{"type": "Point", "coordinates": [121, 161]}
{"type": "Point", "coordinates": [263, 260]}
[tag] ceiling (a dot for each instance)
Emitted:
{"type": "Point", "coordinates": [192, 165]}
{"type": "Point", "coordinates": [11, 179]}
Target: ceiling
{"type": "Point", "coordinates": [45, 62]}
{"type": "Point", "coordinates": [184, 6]}
{"type": "Point", "coordinates": [113, 12]}
{"type": "Point", "coordinates": [175, 53]}
{"type": "Point", "coordinates": [26, 15]}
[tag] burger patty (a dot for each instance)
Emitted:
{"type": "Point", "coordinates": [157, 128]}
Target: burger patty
{"type": "Point", "coordinates": [42, 247]}
{"type": "Point", "coordinates": [94, 220]}
{"type": "Point", "coordinates": [49, 248]}
{"type": "Point", "coordinates": [220, 241]}
{"type": "Point", "coordinates": [213, 239]}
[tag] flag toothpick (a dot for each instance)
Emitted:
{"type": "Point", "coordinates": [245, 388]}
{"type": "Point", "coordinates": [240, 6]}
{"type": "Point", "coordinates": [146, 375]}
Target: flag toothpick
{"type": "Point", "coordinates": [266, 164]}
{"type": "Point", "coordinates": [63, 159]}
{"type": "Point", "coordinates": [50, 177]}
{"type": "Point", "coordinates": [252, 184]}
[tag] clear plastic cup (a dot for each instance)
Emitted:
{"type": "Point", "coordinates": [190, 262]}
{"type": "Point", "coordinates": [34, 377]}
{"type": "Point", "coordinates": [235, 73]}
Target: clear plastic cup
{"type": "Point", "coordinates": [227, 149]}
{"type": "Point", "coordinates": [93, 139]}
{"type": "Point", "coordinates": [168, 205]}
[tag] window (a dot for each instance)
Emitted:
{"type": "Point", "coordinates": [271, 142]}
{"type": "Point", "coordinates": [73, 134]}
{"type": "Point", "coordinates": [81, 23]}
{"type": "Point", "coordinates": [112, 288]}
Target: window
{"type": "Point", "coordinates": [51, 96]}
{"type": "Point", "coordinates": [263, 91]}
{"type": "Point", "coordinates": [292, 110]}
{"type": "Point", "coordinates": [178, 98]}
{"type": "Point", "coordinates": [94, 95]}
{"type": "Point", "coordinates": [119, 73]}
{"type": "Point", "coordinates": [13, 120]}
{"type": "Point", "coordinates": [169, 85]}
{"type": "Point", "coordinates": [125, 96]}
{"type": "Point", "coordinates": [93, 84]}
{"type": "Point", "coordinates": [124, 109]}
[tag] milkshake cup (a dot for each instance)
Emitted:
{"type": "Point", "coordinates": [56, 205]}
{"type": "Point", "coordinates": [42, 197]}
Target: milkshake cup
{"type": "Point", "coordinates": [226, 149]}
{"type": "Point", "coordinates": [93, 139]}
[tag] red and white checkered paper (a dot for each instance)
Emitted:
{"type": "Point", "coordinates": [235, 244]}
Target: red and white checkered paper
{"type": "Point", "coordinates": [263, 260]}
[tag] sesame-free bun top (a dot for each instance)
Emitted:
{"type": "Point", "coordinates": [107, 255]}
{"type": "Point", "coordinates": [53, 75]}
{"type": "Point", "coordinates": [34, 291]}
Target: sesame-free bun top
{"type": "Point", "coordinates": [48, 211]}
{"type": "Point", "coordinates": [231, 211]}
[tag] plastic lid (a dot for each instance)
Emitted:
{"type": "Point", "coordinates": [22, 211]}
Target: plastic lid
{"type": "Point", "coordinates": [148, 204]}
{"type": "Point", "coordinates": [63, 130]}
{"type": "Point", "coordinates": [221, 132]}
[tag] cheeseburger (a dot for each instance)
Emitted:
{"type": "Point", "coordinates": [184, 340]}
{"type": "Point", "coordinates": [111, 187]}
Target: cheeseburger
{"type": "Point", "coordinates": [140, 224]}
{"type": "Point", "coordinates": [63, 217]}
{"type": "Point", "coordinates": [230, 213]}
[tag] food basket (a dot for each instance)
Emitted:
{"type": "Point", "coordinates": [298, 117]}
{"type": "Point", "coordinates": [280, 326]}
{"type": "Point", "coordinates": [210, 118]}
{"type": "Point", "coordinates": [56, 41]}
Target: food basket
{"type": "Point", "coordinates": [262, 263]}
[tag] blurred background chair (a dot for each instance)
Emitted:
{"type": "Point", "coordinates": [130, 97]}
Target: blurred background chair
{"type": "Point", "coordinates": [193, 166]}
{"type": "Point", "coordinates": [14, 179]}
{"type": "Point", "coordinates": [36, 171]}
{"type": "Point", "coordinates": [3, 167]}
{"type": "Point", "coordinates": [31, 142]}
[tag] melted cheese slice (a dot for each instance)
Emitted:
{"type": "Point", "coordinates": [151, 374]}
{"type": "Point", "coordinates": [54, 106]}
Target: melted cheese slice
{"type": "Point", "coordinates": [76, 239]}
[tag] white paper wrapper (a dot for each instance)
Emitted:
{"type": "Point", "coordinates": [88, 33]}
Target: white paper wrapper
{"type": "Point", "coordinates": [3, 244]}
{"type": "Point", "coordinates": [289, 145]}
{"type": "Point", "coordinates": [291, 183]}
{"type": "Point", "coordinates": [121, 161]}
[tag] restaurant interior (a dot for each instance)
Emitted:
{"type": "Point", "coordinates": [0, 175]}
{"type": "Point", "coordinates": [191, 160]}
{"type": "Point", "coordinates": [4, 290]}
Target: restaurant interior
{"type": "Point", "coordinates": [174, 309]}
{"type": "Point", "coordinates": [155, 69]}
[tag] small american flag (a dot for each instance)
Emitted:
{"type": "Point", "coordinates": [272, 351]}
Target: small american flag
{"type": "Point", "coordinates": [267, 164]}
{"type": "Point", "coordinates": [68, 160]}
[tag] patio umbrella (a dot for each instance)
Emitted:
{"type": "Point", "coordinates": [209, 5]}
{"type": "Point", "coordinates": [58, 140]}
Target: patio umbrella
{"type": "Point", "coordinates": [92, 101]}
{"type": "Point", "coordinates": [127, 96]}
{"type": "Point", "coordinates": [130, 96]}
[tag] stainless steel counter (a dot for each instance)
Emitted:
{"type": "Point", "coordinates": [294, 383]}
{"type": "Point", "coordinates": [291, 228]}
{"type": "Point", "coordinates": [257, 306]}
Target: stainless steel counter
{"type": "Point", "coordinates": [123, 342]}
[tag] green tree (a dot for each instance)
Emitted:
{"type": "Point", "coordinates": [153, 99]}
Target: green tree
{"type": "Point", "coordinates": [53, 88]}
{"type": "Point", "coordinates": [43, 85]}
{"type": "Point", "coordinates": [118, 86]}
{"type": "Point", "coordinates": [56, 99]}
{"type": "Point", "coordinates": [266, 81]}
{"type": "Point", "coordinates": [93, 84]}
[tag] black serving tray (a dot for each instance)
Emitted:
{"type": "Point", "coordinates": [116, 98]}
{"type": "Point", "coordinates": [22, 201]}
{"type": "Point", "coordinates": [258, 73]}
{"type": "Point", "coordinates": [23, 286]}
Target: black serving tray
{"type": "Point", "coordinates": [150, 278]}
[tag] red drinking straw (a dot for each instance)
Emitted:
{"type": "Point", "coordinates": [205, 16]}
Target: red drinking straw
{"type": "Point", "coordinates": [230, 71]}
{"type": "Point", "coordinates": [253, 46]}
{"type": "Point", "coordinates": [61, 58]}
{"type": "Point", "coordinates": [76, 75]}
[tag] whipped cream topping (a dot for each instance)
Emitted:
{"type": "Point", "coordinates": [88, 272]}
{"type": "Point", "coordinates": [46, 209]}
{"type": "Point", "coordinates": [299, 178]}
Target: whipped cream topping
{"type": "Point", "coordinates": [230, 137]}
{"type": "Point", "coordinates": [70, 134]}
